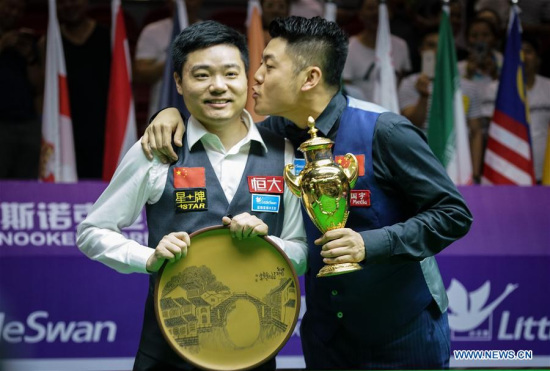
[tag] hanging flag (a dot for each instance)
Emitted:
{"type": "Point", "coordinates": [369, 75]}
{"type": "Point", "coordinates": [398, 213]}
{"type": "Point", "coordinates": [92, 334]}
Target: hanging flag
{"type": "Point", "coordinates": [57, 157]}
{"type": "Point", "coordinates": [447, 130]}
{"type": "Point", "coordinates": [120, 125]}
{"type": "Point", "coordinates": [385, 86]}
{"type": "Point", "coordinates": [509, 157]}
{"type": "Point", "coordinates": [256, 44]}
{"type": "Point", "coordinates": [169, 96]}
{"type": "Point", "coordinates": [546, 167]}
{"type": "Point", "coordinates": [330, 11]}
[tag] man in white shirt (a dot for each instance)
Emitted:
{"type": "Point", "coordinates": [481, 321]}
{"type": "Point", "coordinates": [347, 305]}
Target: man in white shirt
{"type": "Point", "coordinates": [222, 149]}
{"type": "Point", "coordinates": [359, 72]}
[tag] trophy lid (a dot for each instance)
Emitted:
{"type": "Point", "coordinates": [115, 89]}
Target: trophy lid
{"type": "Point", "coordinates": [314, 142]}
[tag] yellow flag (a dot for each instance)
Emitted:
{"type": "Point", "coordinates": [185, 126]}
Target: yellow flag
{"type": "Point", "coordinates": [546, 168]}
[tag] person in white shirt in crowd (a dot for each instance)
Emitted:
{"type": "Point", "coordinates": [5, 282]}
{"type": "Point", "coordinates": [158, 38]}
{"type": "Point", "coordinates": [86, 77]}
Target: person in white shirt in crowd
{"type": "Point", "coordinates": [151, 49]}
{"type": "Point", "coordinates": [358, 74]}
{"type": "Point", "coordinates": [484, 61]}
{"type": "Point", "coordinates": [222, 149]}
{"type": "Point", "coordinates": [538, 99]}
{"type": "Point", "coordinates": [415, 99]}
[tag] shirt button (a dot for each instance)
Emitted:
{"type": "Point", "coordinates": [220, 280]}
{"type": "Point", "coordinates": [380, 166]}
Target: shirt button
{"type": "Point", "coordinates": [334, 292]}
{"type": "Point", "coordinates": [339, 314]}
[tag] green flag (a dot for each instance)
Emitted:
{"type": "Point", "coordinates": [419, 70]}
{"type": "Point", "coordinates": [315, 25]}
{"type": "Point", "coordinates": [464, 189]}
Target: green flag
{"type": "Point", "coordinates": [447, 131]}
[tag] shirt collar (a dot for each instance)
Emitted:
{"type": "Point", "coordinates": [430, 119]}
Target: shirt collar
{"type": "Point", "coordinates": [196, 131]}
{"type": "Point", "coordinates": [331, 114]}
{"type": "Point", "coordinates": [329, 117]}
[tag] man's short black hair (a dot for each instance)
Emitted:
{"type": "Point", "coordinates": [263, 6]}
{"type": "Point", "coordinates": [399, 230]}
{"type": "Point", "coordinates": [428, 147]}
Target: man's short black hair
{"type": "Point", "coordinates": [314, 42]}
{"type": "Point", "coordinates": [203, 35]}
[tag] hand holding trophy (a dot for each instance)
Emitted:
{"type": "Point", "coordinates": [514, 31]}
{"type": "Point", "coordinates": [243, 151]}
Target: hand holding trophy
{"type": "Point", "coordinates": [324, 188]}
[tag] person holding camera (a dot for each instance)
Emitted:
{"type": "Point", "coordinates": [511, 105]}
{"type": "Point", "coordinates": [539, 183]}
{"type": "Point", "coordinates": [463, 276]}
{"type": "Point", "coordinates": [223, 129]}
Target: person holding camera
{"type": "Point", "coordinates": [484, 61]}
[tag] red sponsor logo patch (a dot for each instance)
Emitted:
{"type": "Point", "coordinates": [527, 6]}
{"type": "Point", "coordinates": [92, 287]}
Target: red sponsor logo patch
{"type": "Point", "coordinates": [360, 198]}
{"type": "Point", "coordinates": [266, 184]}
{"type": "Point", "coordinates": [342, 161]}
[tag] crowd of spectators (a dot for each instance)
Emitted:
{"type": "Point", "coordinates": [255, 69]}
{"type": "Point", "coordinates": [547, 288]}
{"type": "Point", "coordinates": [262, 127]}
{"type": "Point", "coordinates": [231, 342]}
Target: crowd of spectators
{"type": "Point", "coordinates": [479, 27]}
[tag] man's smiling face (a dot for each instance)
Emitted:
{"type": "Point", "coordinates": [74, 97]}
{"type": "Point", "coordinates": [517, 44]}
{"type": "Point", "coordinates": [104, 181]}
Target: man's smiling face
{"type": "Point", "coordinates": [214, 85]}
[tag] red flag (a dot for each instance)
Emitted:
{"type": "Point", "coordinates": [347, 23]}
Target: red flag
{"type": "Point", "coordinates": [342, 161]}
{"type": "Point", "coordinates": [120, 126]}
{"type": "Point", "coordinates": [189, 177]}
{"type": "Point", "coordinates": [256, 44]}
{"type": "Point", "coordinates": [57, 158]}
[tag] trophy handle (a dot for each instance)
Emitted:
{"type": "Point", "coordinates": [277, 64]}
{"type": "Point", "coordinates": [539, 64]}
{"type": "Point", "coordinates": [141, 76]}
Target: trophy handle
{"type": "Point", "coordinates": [292, 180]}
{"type": "Point", "coordinates": [352, 171]}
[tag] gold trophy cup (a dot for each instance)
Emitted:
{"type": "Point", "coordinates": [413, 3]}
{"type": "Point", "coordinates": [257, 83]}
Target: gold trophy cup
{"type": "Point", "coordinates": [324, 188]}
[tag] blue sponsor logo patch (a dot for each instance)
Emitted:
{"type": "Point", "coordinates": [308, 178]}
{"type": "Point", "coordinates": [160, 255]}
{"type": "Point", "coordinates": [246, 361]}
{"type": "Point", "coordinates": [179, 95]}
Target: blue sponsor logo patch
{"type": "Point", "coordinates": [299, 164]}
{"type": "Point", "coordinates": [264, 203]}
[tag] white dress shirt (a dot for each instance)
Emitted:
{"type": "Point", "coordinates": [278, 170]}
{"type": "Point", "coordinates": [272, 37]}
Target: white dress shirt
{"type": "Point", "coordinates": [138, 181]}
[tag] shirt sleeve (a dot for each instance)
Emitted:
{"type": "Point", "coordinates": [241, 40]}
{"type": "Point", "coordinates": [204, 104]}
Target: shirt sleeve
{"type": "Point", "coordinates": [293, 235]}
{"type": "Point", "coordinates": [135, 182]}
{"type": "Point", "coordinates": [406, 168]}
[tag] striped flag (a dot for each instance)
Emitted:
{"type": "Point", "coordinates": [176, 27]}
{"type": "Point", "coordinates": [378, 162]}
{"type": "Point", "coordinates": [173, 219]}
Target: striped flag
{"type": "Point", "coordinates": [120, 126]}
{"type": "Point", "coordinates": [57, 157]}
{"type": "Point", "coordinates": [385, 86]}
{"type": "Point", "coordinates": [256, 44]}
{"type": "Point", "coordinates": [169, 96]}
{"type": "Point", "coordinates": [447, 131]}
{"type": "Point", "coordinates": [508, 157]}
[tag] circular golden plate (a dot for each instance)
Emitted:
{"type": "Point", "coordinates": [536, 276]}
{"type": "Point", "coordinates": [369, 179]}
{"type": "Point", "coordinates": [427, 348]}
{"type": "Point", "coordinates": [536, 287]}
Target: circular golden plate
{"type": "Point", "coordinates": [230, 304]}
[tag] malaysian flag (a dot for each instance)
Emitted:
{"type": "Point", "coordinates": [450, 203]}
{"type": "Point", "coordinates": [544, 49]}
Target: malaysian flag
{"type": "Point", "coordinates": [508, 157]}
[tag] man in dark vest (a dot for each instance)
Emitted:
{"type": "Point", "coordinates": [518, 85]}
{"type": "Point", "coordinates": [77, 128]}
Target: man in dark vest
{"type": "Point", "coordinates": [223, 150]}
{"type": "Point", "coordinates": [405, 209]}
